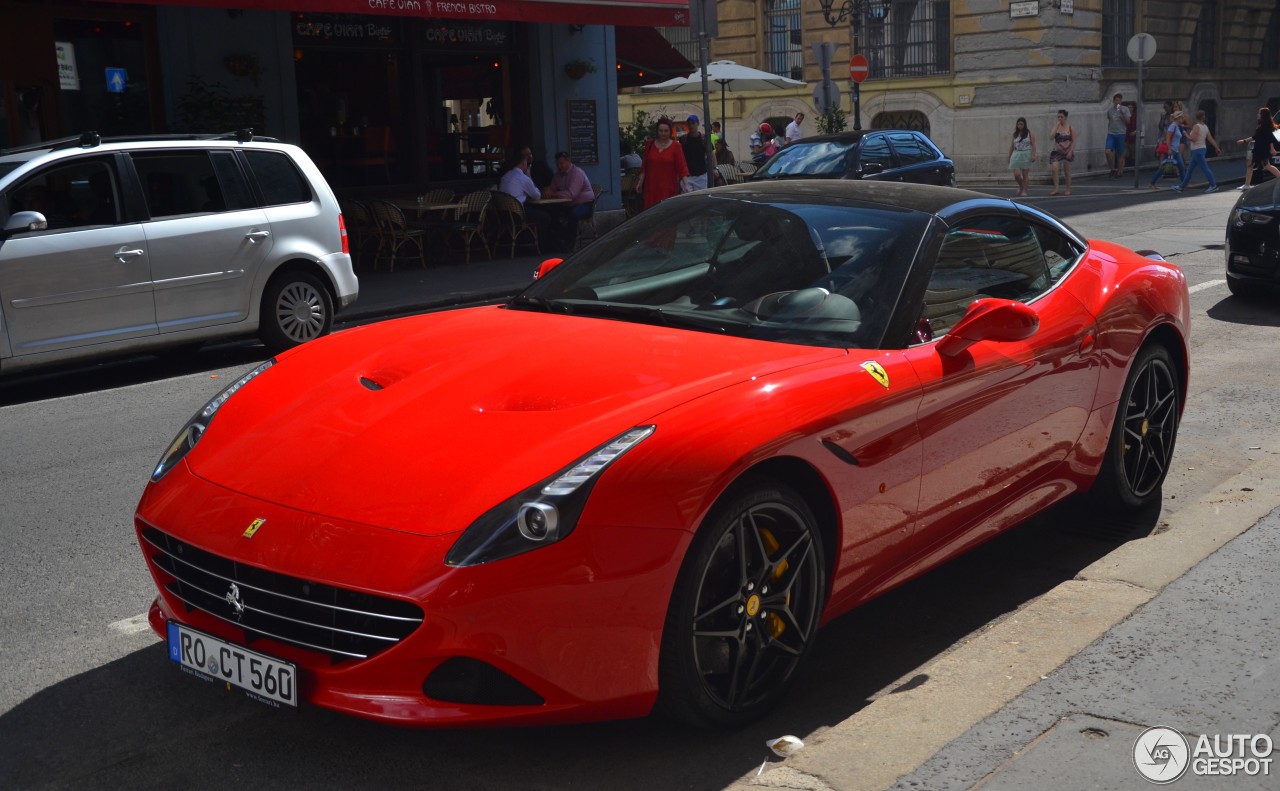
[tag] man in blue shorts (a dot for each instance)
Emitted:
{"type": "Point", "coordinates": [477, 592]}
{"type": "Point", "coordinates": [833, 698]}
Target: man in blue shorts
{"type": "Point", "coordinates": [1117, 125]}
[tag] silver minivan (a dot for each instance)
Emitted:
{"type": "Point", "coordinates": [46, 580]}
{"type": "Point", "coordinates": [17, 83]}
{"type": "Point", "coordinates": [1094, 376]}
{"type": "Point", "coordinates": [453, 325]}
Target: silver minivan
{"type": "Point", "coordinates": [114, 245]}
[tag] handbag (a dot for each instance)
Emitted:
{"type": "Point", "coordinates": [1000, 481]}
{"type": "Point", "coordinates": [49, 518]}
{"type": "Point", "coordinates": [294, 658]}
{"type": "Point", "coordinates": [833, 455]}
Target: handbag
{"type": "Point", "coordinates": [1162, 149]}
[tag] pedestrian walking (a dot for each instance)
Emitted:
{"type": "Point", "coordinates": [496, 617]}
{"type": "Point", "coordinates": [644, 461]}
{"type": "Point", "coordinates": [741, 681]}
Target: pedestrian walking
{"type": "Point", "coordinates": [794, 132]}
{"type": "Point", "coordinates": [1064, 151]}
{"type": "Point", "coordinates": [1170, 150]}
{"type": "Point", "coordinates": [1022, 152]}
{"type": "Point", "coordinates": [663, 172]}
{"type": "Point", "coordinates": [1199, 139]}
{"type": "Point", "coordinates": [1118, 116]}
{"type": "Point", "coordinates": [1263, 148]}
{"type": "Point", "coordinates": [694, 146]}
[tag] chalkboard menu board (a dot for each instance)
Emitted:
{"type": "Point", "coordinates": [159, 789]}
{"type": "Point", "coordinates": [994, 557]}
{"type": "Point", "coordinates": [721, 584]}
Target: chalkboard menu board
{"type": "Point", "coordinates": [583, 132]}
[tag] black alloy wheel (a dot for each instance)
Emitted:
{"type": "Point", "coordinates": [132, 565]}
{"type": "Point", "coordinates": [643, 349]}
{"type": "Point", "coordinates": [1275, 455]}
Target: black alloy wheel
{"type": "Point", "coordinates": [1142, 440]}
{"type": "Point", "coordinates": [745, 609]}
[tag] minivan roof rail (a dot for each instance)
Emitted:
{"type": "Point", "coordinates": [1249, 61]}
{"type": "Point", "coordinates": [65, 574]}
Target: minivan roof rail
{"type": "Point", "coordinates": [94, 139]}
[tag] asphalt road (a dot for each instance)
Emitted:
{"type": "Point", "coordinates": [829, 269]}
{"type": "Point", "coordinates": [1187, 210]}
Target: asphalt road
{"type": "Point", "coordinates": [88, 698]}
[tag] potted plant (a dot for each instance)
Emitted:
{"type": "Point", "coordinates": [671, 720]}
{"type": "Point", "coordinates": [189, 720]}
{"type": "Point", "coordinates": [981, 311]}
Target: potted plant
{"type": "Point", "coordinates": [577, 69]}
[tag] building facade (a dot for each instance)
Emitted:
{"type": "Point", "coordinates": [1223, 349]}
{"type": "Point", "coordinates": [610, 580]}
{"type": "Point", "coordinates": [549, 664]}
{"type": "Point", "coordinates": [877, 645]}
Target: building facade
{"type": "Point", "coordinates": [385, 95]}
{"type": "Point", "coordinates": [965, 70]}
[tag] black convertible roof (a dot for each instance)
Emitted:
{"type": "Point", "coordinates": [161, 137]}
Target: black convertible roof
{"type": "Point", "coordinates": [917, 197]}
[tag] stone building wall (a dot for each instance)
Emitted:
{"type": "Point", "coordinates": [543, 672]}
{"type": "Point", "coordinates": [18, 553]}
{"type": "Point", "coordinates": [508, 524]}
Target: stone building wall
{"type": "Point", "coordinates": [1003, 68]}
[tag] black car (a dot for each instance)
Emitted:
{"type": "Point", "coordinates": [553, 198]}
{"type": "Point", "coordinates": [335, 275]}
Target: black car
{"type": "Point", "coordinates": [879, 154]}
{"type": "Point", "coordinates": [1253, 239]}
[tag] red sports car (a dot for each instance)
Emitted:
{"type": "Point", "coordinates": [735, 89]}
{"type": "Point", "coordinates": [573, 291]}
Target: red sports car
{"type": "Point", "coordinates": [648, 479]}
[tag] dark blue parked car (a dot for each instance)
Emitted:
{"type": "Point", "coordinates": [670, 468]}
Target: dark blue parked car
{"type": "Point", "coordinates": [878, 154]}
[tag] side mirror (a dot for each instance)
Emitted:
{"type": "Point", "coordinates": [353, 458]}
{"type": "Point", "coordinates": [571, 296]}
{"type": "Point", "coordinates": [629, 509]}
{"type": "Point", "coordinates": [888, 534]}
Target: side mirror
{"type": "Point", "coordinates": [989, 319]}
{"type": "Point", "coordinates": [546, 266]}
{"type": "Point", "coordinates": [23, 221]}
{"type": "Point", "coordinates": [871, 168]}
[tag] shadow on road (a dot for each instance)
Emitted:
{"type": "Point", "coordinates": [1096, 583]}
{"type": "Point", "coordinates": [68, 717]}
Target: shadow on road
{"type": "Point", "coordinates": [139, 722]}
{"type": "Point", "coordinates": [1260, 311]}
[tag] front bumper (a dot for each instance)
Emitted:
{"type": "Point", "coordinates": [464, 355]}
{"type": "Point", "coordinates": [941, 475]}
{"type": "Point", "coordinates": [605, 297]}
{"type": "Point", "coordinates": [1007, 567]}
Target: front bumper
{"type": "Point", "coordinates": [578, 622]}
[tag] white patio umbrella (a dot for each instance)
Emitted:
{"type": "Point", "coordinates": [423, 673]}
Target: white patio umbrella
{"type": "Point", "coordinates": [730, 75]}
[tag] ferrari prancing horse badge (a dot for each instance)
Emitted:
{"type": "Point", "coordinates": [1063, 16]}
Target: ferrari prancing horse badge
{"type": "Point", "coordinates": [877, 372]}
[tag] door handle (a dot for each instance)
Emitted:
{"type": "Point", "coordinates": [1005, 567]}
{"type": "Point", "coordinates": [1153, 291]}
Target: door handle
{"type": "Point", "coordinates": [254, 236]}
{"type": "Point", "coordinates": [123, 255]}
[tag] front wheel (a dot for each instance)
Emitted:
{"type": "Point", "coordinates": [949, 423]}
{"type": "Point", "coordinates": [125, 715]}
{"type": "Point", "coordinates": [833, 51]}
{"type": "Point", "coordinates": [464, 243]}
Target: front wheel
{"type": "Point", "coordinates": [745, 609]}
{"type": "Point", "coordinates": [296, 308]}
{"type": "Point", "coordinates": [1141, 445]}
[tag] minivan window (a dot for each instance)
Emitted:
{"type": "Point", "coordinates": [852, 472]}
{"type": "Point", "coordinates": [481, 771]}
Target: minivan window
{"type": "Point", "coordinates": [71, 195]}
{"type": "Point", "coordinates": [235, 189]}
{"type": "Point", "coordinates": [179, 182]}
{"type": "Point", "coordinates": [278, 178]}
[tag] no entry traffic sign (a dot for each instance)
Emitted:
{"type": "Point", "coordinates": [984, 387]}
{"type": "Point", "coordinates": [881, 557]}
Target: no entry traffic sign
{"type": "Point", "coordinates": [858, 68]}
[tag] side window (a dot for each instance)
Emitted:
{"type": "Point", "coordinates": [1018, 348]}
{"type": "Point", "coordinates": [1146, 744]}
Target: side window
{"type": "Point", "coordinates": [278, 178]}
{"type": "Point", "coordinates": [235, 188]}
{"type": "Point", "coordinates": [1060, 253]}
{"type": "Point", "coordinates": [76, 194]}
{"type": "Point", "coordinates": [985, 257]}
{"type": "Point", "coordinates": [909, 148]}
{"type": "Point", "coordinates": [178, 183]}
{"type": "Point", "coordinates": [875, 151]}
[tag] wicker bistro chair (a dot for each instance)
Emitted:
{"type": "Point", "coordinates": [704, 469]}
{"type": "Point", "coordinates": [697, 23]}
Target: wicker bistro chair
{"type": "Point", "coordinates": [468, 223]}
{"type": "Point", "coordinates": [511, 224]}
{"type": "Point", "coordinates": [746, 168]}
{"type": "Point", "coordinates": [730, 174]}
{"type": "Point", "coordinates": [397, 235]}
{"type": "Point", "coordinates": [587, 231]}
{"type": "Point", "coordinates": [363, 233]}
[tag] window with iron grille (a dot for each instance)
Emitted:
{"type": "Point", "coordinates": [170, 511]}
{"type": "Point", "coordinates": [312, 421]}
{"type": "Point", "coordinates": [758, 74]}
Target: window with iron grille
{"type": "Point", "coordinates": [912, 39]}
{"type": "Point", "coordinates": [1269, 58]}
{"type": "Point", "coordinates": [1205, 40]}
{"type": "Point", "coordinates": [1117, 29]}
{"type": "Point", "coordinates": [783, 45]}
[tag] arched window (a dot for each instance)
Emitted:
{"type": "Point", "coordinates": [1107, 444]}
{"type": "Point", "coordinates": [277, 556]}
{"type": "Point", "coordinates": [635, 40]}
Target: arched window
{"type": "Point", "coordinates": [902, 119]}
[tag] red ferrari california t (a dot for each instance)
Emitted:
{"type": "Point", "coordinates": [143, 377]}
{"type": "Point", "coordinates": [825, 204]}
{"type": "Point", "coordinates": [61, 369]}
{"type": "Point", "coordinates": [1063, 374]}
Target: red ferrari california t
{"type": "Point", "coordinates": [647, 480]}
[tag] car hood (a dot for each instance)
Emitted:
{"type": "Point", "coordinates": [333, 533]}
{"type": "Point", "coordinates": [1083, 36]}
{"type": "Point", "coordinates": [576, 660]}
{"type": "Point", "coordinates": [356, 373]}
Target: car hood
{"type": "Point", "coordinates": [423, 424]}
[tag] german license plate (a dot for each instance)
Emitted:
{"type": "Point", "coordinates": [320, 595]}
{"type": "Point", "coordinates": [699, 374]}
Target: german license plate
{"type": "Point", "coordinates": [261, 677]}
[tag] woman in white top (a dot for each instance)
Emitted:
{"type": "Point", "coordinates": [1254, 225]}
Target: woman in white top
{"type": "Point", "coordinates": [1200, 138]}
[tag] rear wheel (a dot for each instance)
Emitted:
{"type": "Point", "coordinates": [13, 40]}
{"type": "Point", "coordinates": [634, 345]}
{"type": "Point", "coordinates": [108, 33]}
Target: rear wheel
{"type": "Point", "coordinates": [296, 308]}
{"type": "Point", "coordinates": [745, 609]}
{"type": "Point", "coordinates": [1142, 439]}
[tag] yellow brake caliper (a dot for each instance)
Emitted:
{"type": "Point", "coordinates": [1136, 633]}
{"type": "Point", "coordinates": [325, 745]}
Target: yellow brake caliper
{"type": "Point", "coordinates": [776, 625]}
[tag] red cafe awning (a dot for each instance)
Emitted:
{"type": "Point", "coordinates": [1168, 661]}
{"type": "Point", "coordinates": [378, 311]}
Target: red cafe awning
{"type": "Point", "coordinates": [574, 12]}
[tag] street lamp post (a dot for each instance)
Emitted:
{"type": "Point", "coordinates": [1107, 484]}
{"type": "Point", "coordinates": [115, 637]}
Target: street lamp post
{"type": "Point", "coordinates": [854, 11]}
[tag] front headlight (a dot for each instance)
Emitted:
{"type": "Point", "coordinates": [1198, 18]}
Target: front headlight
{"type": "Point", "coordinates": [542, 514]}
{"type": "Point", "coordinates": [195, 427]}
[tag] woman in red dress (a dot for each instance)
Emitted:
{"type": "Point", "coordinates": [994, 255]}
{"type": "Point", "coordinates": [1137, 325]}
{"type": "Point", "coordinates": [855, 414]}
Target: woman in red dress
{"type": "Point", "coordinates": [663, 171]}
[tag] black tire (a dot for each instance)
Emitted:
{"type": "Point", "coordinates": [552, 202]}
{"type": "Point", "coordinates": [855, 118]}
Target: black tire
{"type": "Point", "coordinates": [296, 308]}
{"type": "Point", "coordinates": [1142, 439]}
{"type": "Point", "coordinates": [745, 609]}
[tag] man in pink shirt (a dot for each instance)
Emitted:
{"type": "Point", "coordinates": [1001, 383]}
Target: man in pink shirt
{"type": "Point", "coordinates": [570, 182]}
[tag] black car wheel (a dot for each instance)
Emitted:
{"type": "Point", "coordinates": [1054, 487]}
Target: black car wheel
{"type": "Point", "coordinates": [1141, 444]}
{"type": "Point", "coordinates": [745, 608]}
{"type": "Point", "coordinates": [296, 308]}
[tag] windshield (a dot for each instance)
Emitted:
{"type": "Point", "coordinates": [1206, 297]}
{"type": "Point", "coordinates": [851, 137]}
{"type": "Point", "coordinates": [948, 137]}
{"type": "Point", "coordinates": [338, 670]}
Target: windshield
{"type": "Point", "coordinates": [804, 159]}
{"type": "Point", "coordinates": [792, 271]}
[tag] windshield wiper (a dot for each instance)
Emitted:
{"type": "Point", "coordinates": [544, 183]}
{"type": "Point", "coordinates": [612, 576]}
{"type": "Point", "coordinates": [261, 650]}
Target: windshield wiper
{"type": "Point", "coordinates": [650, 314]}
{"type": "Point", "coordinates": [538, 303]}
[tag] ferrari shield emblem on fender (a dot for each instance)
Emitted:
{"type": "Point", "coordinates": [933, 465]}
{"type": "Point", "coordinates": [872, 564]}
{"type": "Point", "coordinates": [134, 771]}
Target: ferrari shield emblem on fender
{"type": "Point", "coordinates": [877, 372]}
{"type": "Point", "coordinates": [253, 527]}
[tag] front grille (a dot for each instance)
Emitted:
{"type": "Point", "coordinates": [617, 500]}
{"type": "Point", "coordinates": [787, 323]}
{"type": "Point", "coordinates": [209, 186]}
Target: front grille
{"type": "Point", "coordinates": [343, 624]}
